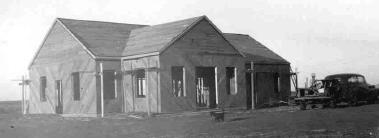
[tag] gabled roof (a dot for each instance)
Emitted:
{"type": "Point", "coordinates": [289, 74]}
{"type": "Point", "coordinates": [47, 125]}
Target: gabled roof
{"type": "Point", "coordinates": [116, 40]}
{"type": "Point", "coordinates": [155, 38]}
{"type": "Point", "coordinates": [100, 38]}
{"type": "Point", "coordinates": [254, 50]}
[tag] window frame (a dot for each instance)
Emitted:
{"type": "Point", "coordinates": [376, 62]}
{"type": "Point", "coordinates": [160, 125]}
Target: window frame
{"type": "Point", "coordinates": [228, 84]}
{"type": "Point", "coordinates": [140, 83]}
{"type": "Point", "coordinates": [174, 80]}
{"type": "Point", "coordinates": [277, 86]}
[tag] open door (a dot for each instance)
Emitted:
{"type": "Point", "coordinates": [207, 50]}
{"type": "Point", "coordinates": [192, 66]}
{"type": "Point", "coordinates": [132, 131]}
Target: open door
{"type": "Point", "coordinates": [58, 89]}
{"type": "Point", "coordinates": [205, 87]}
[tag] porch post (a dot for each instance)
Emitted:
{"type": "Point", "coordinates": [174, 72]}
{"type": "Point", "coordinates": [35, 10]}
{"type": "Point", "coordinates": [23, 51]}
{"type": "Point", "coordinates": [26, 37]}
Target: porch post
{"type": "Point", "coordinates": [102, 89]}
{"type": "Point", "coordinates": [253, 95]}
{"type": "Point", "coordinates": [147, 90]}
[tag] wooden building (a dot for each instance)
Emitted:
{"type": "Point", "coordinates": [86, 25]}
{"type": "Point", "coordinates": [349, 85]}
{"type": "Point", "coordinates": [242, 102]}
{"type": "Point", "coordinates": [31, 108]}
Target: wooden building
{"type": "Point", "coordinates": [268, 76]}
{"type": "Point", "coordinates": [84, 67]}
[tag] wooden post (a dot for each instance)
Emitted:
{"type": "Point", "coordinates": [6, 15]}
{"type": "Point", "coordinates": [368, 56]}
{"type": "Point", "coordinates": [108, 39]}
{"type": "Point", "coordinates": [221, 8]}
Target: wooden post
{"type": "Point", "coordinates": [216, 86]}
{"type": "Point", "coordinates": [252, 80]}
{"type": "Point", "coordinates": [132, 86]}
{"type": "Point", "coordinates": [147, 90]}
{"type": "Point", "coordinates": [102, 89]}
{"type": "Point", "coordinates": [115, 85]}
{"type": "Point", "coordinates": [23, 95]}
{"type": "Point", "coordinates": [158, 85]}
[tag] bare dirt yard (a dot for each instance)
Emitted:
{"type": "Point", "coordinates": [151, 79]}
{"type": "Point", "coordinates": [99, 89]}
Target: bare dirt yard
{"type": "Point", "coordinates": [362, 121]}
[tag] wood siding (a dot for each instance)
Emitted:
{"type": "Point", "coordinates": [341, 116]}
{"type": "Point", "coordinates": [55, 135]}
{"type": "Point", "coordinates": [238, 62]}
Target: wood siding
{"type": "Point", "coordinates": [59, 56]}
{"type": "Point", "coordinates": [140, 104]}
{"type": "Point", "coordinates": [202, 46]}
{"type": "Point", "coordinates": [264, 83]}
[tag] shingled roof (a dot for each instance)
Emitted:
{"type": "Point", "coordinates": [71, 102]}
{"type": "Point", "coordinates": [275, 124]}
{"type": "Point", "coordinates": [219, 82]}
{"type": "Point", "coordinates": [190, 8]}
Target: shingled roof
{"type": "Point", "coordinates": [254, 50]}
{"type": "Point", "coordinates": [101, 38]}
{"type": "Point", "coordinates": [107, 39]}
{"type": "Point", "coordinates": [155, 38]}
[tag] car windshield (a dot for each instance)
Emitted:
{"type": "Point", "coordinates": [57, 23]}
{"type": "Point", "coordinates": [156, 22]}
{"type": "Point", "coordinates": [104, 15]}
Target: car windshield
{"type": "Point", "coordinates": [356, 79]}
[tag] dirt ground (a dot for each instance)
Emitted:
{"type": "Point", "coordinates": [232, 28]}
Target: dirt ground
{"type": "Point", "coordinates": [362, 121]}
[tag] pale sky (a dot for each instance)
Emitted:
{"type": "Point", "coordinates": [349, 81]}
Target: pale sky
{"type": "Point", "coordinates": [316, 36]}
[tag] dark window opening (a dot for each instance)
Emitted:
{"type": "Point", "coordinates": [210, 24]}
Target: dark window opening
{"type": "Point", "coordinates": [231, 80]}
{"type": "Point", "coordinates": [177, 74]}
{"type": "Point", "coordinates": [141, 83]}
{"type": "Point", "coordinates": [109, 84]}
{"type": "Point", "coordinates": [76, 85]}
{"type": "Point", "coordinates": [276, 82]}
{"type": "Point", "coordinates": [43, 88]}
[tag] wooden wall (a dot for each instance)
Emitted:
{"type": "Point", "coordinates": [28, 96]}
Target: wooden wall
{"type": "Point", "coordinates": [264, 83]}
{"type": "Point", "coordinates": [201, 46]}
{"type": "Point", "coordinates": [133, 103]}
{"type": "Point", "coordinates": [59, 56]}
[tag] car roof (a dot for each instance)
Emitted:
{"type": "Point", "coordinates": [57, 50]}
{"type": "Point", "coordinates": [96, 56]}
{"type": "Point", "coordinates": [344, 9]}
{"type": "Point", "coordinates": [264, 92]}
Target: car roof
{"type": "Point", "coordinates": [342, 75]}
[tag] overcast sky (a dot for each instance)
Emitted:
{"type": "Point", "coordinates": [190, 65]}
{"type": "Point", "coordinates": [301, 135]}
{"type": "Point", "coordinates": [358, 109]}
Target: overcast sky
{"type": "Point", "coordinates": [316, 36]}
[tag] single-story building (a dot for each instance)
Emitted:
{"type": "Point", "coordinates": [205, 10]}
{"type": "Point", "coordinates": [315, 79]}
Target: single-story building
{"type": "Point", "coordinates": [86, 67]}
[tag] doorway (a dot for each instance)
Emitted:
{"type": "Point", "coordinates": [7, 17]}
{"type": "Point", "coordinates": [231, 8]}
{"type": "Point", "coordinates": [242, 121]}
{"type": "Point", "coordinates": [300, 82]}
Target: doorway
{"type": "Point", "coordinates": [205, 87]}
{"type": "Point", "coordinates": [249, 90]}
{"type": "Point", "coordinates": [58, 89]}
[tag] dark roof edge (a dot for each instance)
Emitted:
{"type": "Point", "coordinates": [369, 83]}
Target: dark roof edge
{"type": "Point", "coordinates": [235, 34]}
{"type": "Point", "coordinates": [101, 21]}
{"type": "Point", "coordinates": [273, 63]}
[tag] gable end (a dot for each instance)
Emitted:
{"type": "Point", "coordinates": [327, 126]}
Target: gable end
{"type": "Point", "coordinates": [189, 28]}
{"type": "Point", "coordinates": [55, 23]}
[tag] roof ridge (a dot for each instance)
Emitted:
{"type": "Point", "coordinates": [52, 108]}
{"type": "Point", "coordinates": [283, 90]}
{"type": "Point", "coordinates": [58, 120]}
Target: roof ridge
{"type": "Point", "coordinates": [108, 22]}
{"type": "Point", "coordinates": [175, 21]}
{"type": "Point", "coordinates": [236, 34]}
{"type": "Point", "coordinates": [191, 22]}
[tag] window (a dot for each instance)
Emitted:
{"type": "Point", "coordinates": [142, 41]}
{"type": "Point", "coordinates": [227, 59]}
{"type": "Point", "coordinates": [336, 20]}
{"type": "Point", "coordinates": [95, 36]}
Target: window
{"type": "Point", "coordinates": [361, 79]}
{"type": "Point", "coordinates": [43, 88]}
{"type": "Point", "coordinates": [178, 81]}
{"type": "Point", "coordinates": [76, 85]}
{"type": "Point", "coordinates": [231, 80]}
{"type": "Point", "coordinates": [276, 83]}
{"type": "Point", "coordinates": [109, 84]}
{"type": "Point", "coordinates": [356, 79]}
{"type": "Point", "coordinates": [141, 83]}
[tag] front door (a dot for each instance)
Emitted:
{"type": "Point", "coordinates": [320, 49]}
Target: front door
{"type": "Point", "coordinates": [58, 89]}
{"type": "Point", "coordinates": [205, 87]}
